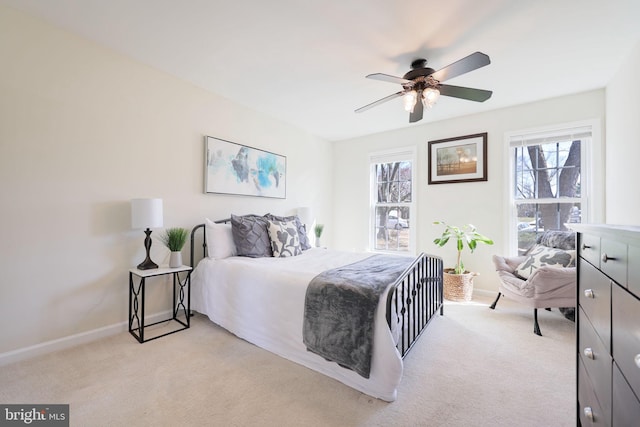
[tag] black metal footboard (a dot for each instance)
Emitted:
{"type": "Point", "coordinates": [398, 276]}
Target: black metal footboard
{"type": "Point", "coordinates": [415, 299]}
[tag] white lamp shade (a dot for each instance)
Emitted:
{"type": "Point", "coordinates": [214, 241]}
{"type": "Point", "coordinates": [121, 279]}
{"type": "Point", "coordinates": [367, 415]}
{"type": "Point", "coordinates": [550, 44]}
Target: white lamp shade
{"type": "Point", "coordinates": [305, 215]}
{"type": "Point", "coordinates": [146, 213]}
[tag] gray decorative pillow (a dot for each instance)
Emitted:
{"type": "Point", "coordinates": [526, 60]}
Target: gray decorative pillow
{"type": "Point", "coordinates": [558, 239]}
{"type": "Point", "coordinates": [302, 229]}
{"type": "Point", "coordinates": [251, 236]}
{"type": "Point", "coordinates": [285, 241]}
{"type": "Point", "coordinates": [541, 255]}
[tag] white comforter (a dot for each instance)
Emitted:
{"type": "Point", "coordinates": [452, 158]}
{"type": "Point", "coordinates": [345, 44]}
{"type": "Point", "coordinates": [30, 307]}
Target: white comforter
{"type": "Point", "coordinates": [262, 301]}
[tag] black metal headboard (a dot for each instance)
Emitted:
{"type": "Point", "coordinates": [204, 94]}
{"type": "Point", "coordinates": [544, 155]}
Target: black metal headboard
{"type": "Point", "coordinates": [205, 250]}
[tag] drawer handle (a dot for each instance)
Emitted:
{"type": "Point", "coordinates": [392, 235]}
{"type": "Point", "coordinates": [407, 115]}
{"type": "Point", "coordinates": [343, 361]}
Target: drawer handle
{"type": "Point", "coordinates": [584, 246]}
{"type": "Point", "coordinates": [588, 412]}
{"type": "Point", "coordinates": [637, 360]}
{"type": "Point", "coordinates": [606, 257]}
{"type": "Point", "coordinates": [589, 293]}
{"type": "Point", "coordinates": [588, 352]}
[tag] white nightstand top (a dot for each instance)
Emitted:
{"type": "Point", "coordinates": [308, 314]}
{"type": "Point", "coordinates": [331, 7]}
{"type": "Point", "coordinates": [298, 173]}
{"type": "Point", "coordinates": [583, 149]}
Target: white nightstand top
{"type": "Point", "coordinates": [163, 269]}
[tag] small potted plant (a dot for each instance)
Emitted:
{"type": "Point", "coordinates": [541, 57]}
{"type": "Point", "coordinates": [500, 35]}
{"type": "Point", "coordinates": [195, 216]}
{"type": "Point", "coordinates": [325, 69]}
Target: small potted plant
{"type": "Point", "coordinates": [458, 282]}
{"type": "Point", "coordinates": [318, 229]}
{"type": "Point", "coordinates": [175, 239]}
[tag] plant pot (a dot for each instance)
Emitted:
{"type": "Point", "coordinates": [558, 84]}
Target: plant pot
{"type": "Point", "coordinates": [318, 244]}
{"type": "Point", "coordinates": [175, 259]}
{"type": "Point", "coordinates": [458, 287]}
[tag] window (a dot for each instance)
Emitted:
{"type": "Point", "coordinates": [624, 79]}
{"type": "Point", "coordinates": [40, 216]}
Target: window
{"type": "Point", "coordinates": [392, 201]}
{"type": "Point", "coordinates": [547, 182]}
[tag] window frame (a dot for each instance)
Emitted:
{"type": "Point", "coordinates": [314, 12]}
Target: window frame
{"type": "Point", "coordinates": [591, 197]}
{"type": "Point", "coordinates": [407, 154]}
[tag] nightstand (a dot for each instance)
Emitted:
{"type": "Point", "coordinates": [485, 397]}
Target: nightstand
{"type": "Point", "coordinates": [136, 300]}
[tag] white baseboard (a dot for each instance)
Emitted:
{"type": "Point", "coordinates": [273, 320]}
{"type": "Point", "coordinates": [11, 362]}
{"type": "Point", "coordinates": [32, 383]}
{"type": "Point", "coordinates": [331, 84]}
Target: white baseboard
{"type": "Point", "coordinates": [72, 340]}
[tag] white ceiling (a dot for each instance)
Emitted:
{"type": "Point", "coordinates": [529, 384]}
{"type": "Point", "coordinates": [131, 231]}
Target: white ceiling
{"type": "Point", "coordinates": [304, 61]}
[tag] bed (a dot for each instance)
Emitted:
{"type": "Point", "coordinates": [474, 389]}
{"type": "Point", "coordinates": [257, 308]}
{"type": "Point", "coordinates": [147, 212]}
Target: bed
{"type": "Point", "coordinates": [262, 300]}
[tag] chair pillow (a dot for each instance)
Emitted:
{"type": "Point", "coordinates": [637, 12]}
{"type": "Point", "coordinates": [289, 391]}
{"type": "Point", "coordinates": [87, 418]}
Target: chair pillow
{"type": "Point", "coordinates": [251, 236]}
{"type": "Point", "coordinates": [220, 242]}
{"type": "Point", "coordinates": [541, 255]}
{"type": "Point", "coordinates": [302, 229]}
{"type": "Point", "coordinates": [285, 241]}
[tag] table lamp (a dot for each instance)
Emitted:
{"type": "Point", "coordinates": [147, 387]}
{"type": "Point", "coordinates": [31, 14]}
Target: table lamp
{"type": "Point", "coordinates": [146, 213]}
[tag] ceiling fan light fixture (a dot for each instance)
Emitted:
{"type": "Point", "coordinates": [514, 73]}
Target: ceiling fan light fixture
{"type": "Point", "coordinates": [430, 96]}
{"type": "Point", "coordinates": [410, 99]}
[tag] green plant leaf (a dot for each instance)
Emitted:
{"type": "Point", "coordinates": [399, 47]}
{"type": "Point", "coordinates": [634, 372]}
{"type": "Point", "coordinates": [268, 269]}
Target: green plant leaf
{"type": "Point", "coordinates": [465, 235]}
{"type": "Point", "coordinates": [175, 238]}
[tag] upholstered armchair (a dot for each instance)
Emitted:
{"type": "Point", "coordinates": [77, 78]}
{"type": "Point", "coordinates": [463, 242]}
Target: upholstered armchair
{"type": "Point", "coordinates": [544, 277]}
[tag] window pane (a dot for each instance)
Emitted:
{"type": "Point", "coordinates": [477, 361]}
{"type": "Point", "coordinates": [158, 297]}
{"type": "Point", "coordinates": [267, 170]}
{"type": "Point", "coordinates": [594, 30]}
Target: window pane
{"type": "Point", "coordinates": [534, 219]}
{"type": "Point", "coordinates": [392, 228]}
{"type": "Point", "coordinates": [548, 170]}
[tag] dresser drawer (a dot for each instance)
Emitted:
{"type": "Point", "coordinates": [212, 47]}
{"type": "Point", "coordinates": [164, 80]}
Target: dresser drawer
{"type": "Point", "coordinates": [594, 296]}
{"type": "Point", "coordinates": [626, 335]}
{"type": "Point", "coordinates": [590, 248]}
{"type": "Point", "coordinates": [589, 410]}
{"type": "Point", "coordinates": [626, 407]}
{"type": "Point", "coordinates": [633, 270]}
{"type": "Point", "coordinates": [613, 260]}
{"type": "Point", "coordinates": [597, 362]}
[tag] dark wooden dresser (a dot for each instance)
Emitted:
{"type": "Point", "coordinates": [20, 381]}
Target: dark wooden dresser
{"type": "Point", "coordinates": [608, 325]}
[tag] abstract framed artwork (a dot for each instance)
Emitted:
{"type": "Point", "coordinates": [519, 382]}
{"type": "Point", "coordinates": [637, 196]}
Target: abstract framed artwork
{"type": "Point", "coordinates": [232, 168]}
{"type": "Point", "coordinates": [459, 159]}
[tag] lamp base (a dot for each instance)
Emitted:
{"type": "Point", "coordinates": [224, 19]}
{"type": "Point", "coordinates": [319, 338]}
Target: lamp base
{"type": "Point", "coordinates": [147, 264]}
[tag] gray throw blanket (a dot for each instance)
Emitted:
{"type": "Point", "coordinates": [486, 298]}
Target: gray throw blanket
{"type": "Point", "coordinates": [340, 308]}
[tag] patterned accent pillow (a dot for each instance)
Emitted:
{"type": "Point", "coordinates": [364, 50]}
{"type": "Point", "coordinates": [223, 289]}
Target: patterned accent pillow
{"type": "Point", "coordinates": [541, 255]}
{"type": "Point", "coordinates": [302, 229]}
{"type": "Point", "coordinates": [251, 236]}
{"type": "Point", "coordinates": [285, 241]}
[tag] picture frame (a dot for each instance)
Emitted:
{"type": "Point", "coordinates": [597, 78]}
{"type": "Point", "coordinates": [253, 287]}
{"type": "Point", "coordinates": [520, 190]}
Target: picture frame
{"type": "Point", "coordinates": [459, 159]}
{"type": "Point", "coordinates": [237, 169]}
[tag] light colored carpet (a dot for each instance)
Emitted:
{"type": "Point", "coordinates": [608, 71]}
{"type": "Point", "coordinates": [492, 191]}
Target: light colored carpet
{"type": "Point", "coordinates": [473, 367]}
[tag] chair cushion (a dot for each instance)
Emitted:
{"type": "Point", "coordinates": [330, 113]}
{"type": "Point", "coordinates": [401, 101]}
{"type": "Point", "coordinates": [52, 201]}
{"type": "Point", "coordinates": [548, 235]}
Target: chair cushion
{"type": "Point", "coordinates": [516, 285]}
{"type": "Point", "coordinates": [541, 255]}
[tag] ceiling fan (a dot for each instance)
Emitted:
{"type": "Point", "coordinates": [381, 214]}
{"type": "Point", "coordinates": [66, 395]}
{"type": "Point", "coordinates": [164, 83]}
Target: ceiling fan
{"type": "Point", "coordinates": [422, 86]}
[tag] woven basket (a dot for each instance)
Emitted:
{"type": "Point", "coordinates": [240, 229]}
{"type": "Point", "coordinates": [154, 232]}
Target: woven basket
{"type": "Point", "coordinates": [458, 287]}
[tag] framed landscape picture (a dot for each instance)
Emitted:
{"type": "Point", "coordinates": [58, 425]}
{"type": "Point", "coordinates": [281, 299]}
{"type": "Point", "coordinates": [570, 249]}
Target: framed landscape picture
{"type": "Point", "coordinates": [459, 159]}
{"type": "Point", "coordinates": [232, 168]}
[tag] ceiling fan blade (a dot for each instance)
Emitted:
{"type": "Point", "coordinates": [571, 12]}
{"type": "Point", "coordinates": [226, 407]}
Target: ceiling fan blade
{"type": "Point", "coordinates": [380, 101]}
{"type": "Point", "coordinates": [478, 95]}
{"type": "Point", "coordinates": [389, 78]}
{"type": "Point", "coordinates": [469, 63]}
{"type": "Point", "coordinates": [416, 114]}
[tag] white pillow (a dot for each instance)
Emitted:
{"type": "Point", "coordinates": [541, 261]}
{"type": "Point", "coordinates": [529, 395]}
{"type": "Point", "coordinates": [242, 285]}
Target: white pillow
{"type": "Point", "coordinates": [542, 255]}
{"type": "Point", "coordinates": [284, 237]}
{"type": "Point", "coordinates": [219, 240]}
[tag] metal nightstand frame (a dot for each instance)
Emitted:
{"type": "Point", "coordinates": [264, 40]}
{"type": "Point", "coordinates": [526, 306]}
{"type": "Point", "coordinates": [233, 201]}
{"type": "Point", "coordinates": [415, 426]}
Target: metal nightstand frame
{"type": "Point", "coordinates": [137, 298]}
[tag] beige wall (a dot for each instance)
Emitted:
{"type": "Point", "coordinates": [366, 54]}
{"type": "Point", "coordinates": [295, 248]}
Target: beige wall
{"type": "Point", "coordinates": [479, 203]}
{"type": "Point", "coordinates": [82, 131]}
{"type": "Point", "coordinates": [623, 143]}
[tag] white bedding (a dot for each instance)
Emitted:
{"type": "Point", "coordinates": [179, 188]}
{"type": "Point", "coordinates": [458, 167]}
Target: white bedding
{"type": "Point", "coordinates": [262, 301]}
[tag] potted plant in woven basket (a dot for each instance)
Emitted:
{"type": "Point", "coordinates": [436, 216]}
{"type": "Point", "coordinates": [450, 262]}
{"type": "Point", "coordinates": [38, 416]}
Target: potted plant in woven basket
{"type": "Point", "coordinates": [174, 239]}
{"type": "Point", "coordinates": [458, 282]}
